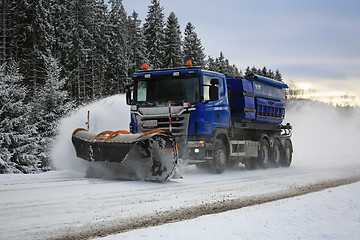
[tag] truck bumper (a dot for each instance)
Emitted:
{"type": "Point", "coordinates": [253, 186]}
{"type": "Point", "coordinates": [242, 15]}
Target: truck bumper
{"type": "Point", "coordinates": [196, 151]}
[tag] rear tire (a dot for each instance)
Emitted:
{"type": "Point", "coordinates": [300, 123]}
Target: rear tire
{"type": "Point", "coordinates": [264, 154]}
{"type": "Point", "coordinates": [219, 160]}
{"type": "Point", "coordinates": [276, 154]}
{"type": "Point", "coordinates": [287, 154]}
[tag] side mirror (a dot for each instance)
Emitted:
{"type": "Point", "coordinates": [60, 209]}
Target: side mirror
{"type": "Point", "coordinates": [213, 93]}
{"type": "Point", "coordinates": [214, 90]}
{"type": "Point", "coordinates": [129, 94]}
{"type": "Point", "coordinates": [214, 81]}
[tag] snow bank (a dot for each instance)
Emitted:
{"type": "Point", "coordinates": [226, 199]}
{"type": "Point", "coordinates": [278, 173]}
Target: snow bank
{"type": "Point", "coordinates": [110, 113]}
{"type": "Point", "coordinates": [330, 214]}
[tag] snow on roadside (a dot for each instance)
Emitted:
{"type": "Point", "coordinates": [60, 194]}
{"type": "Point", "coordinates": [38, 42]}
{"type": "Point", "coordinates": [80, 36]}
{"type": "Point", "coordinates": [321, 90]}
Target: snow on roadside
{"type": "Point", "coordinates": [329, 214]}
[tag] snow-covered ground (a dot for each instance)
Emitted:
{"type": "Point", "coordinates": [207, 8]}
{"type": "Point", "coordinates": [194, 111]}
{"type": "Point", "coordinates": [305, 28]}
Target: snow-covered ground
{"type": "Point", "coordinates": [329, 214]}
{"type": "Point", "coordinates": [64, 204]}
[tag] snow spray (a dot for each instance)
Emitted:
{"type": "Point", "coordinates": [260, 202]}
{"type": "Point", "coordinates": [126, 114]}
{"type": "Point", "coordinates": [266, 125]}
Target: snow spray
{"type": "Point", "coordinates": [110, 113]}
{"type": "Point", "coordinates": [323, 132]}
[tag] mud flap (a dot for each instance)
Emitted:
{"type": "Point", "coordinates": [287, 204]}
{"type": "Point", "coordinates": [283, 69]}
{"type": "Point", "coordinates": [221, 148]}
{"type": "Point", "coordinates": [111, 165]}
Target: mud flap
{"type": "Point", "coordinates": [120, 155]}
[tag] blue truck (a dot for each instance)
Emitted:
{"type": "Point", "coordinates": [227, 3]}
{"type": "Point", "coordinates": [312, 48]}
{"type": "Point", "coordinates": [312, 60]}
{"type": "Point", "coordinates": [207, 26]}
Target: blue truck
{"type": "Point", "coordinates": [217, 120]}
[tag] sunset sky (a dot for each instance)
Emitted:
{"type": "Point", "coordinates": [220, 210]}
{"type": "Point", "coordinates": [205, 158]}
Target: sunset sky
{"type": "Point", "coordinates": [316, 42]}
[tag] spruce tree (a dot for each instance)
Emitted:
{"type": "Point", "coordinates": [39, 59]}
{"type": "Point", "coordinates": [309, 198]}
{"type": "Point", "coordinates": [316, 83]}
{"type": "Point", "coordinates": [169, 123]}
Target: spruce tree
{"type": "Point", "coordinates": [222, 65]}
{"type": "Point", "coordinates": [7, 28]}
{"type": "Point", "coordinates": [137, 42]}
{"type": "Point", "coordinates": [210, 64]}
{"type": "Point", "coordinates": [220, 62]}
{"type": "Point", "coordinates": [264, 72]}
{"type": "Point", "coordinates": [154, 34]}
{"type": "Point", "coordinates": [100, 50]}
{"type": "Point", "coordinates": [254, 70]}
{"type": "Point", "coordinates": [17, 144]}
{"type": "Point", "coordinates": [172, 44]}
{"type": "Point", "coordinates": [52, 104]}
{"type": "Point", "coordinates": [192, 48]}
{"type": "Point", "coordinates": [32, 38]}
{"type": "Point", "coordinates": [124, 37]}
{"type": "Point", "coordinates": [247, 71]}
{"type": "Point", "coordinates": [5, 154]}
{"type": "Point", "coordinates": [270, 74]}
{"type": "Point", "coordinates": [278, 75]}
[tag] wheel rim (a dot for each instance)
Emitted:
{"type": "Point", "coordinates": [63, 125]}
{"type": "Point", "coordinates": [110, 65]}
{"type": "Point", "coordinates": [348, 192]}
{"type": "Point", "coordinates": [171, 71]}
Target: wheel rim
{"type": "Point", "coordinates": [265, 155]}
{"type": "Point", "coordinates": [277, 154]}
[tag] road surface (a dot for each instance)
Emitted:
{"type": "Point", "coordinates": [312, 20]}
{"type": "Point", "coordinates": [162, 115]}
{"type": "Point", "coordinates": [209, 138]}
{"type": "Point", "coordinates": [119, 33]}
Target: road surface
{"type": "Point", "coordinates": [62, 204]}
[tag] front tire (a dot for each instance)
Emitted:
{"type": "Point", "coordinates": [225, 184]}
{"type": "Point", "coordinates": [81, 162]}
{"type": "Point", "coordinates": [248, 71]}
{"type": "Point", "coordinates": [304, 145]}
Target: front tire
{"type": "Point", "coordinates": [219, 160]}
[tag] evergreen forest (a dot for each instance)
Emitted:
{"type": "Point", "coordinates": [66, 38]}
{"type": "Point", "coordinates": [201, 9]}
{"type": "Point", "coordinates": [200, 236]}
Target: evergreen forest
{"type": "Point", "coordinates": [56, 55]}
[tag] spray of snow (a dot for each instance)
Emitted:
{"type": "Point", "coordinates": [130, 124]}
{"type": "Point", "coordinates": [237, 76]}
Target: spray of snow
{"type": "Point", "coordinates": [323, 132]}
{"type": "Point", "coordinates": [110, 113]}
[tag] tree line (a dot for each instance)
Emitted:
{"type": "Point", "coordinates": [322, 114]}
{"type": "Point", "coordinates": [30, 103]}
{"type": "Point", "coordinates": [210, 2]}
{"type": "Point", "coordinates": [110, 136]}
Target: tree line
{"type": "Point", "coordinates": [56, 55]}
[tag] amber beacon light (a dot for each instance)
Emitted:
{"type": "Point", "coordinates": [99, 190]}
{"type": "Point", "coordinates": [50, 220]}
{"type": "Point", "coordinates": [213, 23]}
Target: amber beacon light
{"type": "Point", "coordinates": [188, 64]}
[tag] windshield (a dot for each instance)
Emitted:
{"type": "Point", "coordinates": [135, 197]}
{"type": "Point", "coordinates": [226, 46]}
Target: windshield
{"type": "Point", "coordinates": [162, 89]}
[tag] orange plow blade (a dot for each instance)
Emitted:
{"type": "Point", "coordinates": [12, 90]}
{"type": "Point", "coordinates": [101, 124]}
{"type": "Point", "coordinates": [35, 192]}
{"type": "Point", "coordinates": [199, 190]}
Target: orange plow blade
{"type": "Point", "coordinates": [118, 154]}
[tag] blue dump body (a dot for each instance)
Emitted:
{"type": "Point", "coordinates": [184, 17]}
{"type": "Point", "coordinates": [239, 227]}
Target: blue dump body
{"type": "Point", "coordinates": [257, 99]}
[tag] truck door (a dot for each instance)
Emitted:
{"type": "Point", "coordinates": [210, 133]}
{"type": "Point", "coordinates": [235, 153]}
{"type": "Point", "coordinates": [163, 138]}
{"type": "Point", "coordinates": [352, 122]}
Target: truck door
{"type": "Point", "coordinates": [216, 109]}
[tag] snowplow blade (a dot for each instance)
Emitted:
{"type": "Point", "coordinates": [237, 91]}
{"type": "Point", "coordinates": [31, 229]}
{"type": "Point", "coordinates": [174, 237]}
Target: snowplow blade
{"type": "Point", "coordinates": [150, 156]}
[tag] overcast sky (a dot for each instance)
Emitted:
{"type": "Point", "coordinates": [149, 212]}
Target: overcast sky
{"type": "Point", "coordinates": [313, 41]}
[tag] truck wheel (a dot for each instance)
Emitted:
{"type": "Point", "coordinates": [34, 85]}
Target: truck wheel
{"type": "Point", "coordinates": [287, 154]}
{"type": "Point", "coordinates": [264, 154]}
{"type": "Point", "coordinates": [276, 154]}
{"type": "Point", "coordinates": [219, 157]}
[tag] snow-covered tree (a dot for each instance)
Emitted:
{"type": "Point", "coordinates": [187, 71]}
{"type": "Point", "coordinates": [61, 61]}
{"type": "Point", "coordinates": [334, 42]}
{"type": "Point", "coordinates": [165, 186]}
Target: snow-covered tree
{"type": "Point", "coordinates": [266, 72]}
{"type": "Point", "coordinates": [222, 65]}
{"type": "Point", "coordinates": [247, 71]}
{"type": "Point", "coordinates": [52, 104]}
{"type": "Point", "coordinates": [154, 34]}
{"type": "Point", "coordinates": [6, 30]}
{"type": "Point", "coordinates": [17, 144]}
{"type": "Point", "coordinates": [210, 64]}
{"type": "Point", "coordinates": [32, 38]}
{"type": "Point", "coordinates": [270, 74]}
{"type": "Point", "coordinates": [172, 43]}
{"type": "Point", "coordinates": [137, 41]}
{"type": "Point", "coordinates": [120, 50]}
{"type": "Point", "coordinates": [278, 75]}
{"type": "Point", "coordinates": [192, 48]}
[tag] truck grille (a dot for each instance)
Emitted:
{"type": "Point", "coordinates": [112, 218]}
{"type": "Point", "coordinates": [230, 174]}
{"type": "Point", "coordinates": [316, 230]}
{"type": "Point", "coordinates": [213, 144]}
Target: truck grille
{"type": "Point", "coordinates": [179, 124]}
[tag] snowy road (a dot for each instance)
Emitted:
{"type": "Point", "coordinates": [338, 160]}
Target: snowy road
{"type": "Point", "coordinates": [63, 205]}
